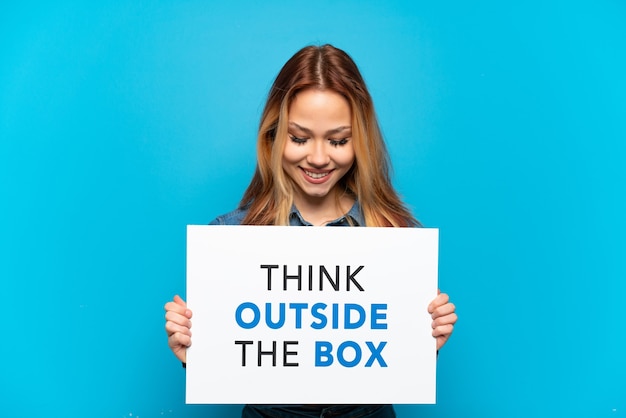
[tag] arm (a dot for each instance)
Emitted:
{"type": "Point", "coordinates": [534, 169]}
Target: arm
{"type": "Point", "coordinates": [178, 327]}
{"type": "Point", "coordinates": [444, 317]}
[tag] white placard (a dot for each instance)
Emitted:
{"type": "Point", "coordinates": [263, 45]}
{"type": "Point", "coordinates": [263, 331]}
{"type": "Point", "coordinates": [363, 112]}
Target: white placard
{"type": "Point", "coordinates": [370, 341]}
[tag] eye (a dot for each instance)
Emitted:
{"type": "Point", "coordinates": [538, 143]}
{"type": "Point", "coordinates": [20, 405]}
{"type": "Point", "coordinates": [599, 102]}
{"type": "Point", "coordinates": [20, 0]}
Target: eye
{"type": "Point", "coordinates": [297, 140]}
{"type": "Point", "coordinates": [338, 142]}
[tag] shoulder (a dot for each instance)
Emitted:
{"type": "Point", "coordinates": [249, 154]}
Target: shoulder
{"type": "Point", "coordinates": [231, 218]}
{"type": "Point", "coordinates": [356, 213]}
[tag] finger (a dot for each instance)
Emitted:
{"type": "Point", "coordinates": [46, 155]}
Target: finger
{"type": "Point", "coordinates": [443, 330]}
{"type": "Point", "coordinates": [177, 319]}
{"type": "Point", "coordinates": [441, 299]}
{"type": "Point", "coordinates": [445, 320]}
{"type": "Point", "coordinates": [443, 310]}
{"type": "Point", "coordinates": [177, 340]}
{"type": "Point", "coordinates": [180, 308]}
{"type": "Point", "coordinates": [441, 341]}
{"type": "Point", "coordinates": [175, 307]}
{"type": "Point", "coordinates": [173, 328]}
{"type": "Point", "coordinates": [178, 300]}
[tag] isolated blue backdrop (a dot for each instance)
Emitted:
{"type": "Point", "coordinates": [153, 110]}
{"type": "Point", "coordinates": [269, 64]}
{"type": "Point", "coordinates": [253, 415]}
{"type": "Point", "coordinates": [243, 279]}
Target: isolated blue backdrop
{"type": "Point", "coordinates": [123, 121]}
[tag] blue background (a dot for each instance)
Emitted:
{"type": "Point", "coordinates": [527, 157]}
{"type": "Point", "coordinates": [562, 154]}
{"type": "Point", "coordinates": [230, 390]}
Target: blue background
{"type": "Point", "coordinates": [121, 122]}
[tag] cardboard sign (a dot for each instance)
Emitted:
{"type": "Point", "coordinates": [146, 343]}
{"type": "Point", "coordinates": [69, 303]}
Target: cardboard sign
{"type": "Point", "coordinates": [311, 315]}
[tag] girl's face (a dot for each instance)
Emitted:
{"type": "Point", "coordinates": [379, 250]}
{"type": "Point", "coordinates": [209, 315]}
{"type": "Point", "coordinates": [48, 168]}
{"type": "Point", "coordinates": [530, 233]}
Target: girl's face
{"type": "Point", "coordinates": [319, 149]}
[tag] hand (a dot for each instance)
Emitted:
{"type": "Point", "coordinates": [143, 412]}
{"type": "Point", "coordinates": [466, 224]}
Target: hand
{"type": "Point", "coordinates": [444, 318]}
{"type": "Point", "coordinates": [178, 327]}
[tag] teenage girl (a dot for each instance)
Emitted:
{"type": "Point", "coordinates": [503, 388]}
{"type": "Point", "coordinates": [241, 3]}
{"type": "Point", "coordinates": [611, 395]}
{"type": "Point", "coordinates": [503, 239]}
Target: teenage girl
{"type": "Point", "coordinates": [321, 161]}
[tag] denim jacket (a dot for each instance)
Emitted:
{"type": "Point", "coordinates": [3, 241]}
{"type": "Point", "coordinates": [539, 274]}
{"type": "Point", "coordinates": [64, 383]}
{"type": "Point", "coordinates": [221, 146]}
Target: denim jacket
{"type": "Point", "coordinates": [295, 218]}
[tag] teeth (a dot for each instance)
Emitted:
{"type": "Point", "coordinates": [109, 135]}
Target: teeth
{"type": "Point", "coordinates": [315, 175]}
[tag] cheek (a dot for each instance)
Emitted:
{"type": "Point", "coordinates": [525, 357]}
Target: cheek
{"type": "Point", "coordinates": [345, 158]}
{"type": "Point", "coordinates": [291, 154]}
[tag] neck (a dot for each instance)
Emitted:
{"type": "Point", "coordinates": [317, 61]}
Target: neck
{"type": "Point", "coordinates": [320, 211]}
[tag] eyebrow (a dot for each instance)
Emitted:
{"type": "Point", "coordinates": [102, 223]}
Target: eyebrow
{"type": "Point", "coordinates": [310, 132]}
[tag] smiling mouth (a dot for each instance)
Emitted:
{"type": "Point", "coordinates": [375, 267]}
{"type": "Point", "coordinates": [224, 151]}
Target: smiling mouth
{"type": "Point", "coordinates": [316, 176]}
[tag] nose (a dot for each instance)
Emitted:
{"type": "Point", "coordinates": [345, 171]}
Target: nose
{"type": "Point", "coordinates": [318, 156]}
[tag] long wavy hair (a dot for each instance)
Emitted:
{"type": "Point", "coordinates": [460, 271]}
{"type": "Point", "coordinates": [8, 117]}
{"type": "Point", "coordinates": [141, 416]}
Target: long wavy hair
{"type": "Point", "coordinates": [269, 197]}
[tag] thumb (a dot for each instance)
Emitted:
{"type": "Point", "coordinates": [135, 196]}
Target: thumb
{"type": "Point", "coordinates": [179, 301]}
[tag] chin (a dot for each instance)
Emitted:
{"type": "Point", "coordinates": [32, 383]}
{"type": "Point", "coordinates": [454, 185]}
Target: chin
{"type": "Point", "coordinates": [316, 194]}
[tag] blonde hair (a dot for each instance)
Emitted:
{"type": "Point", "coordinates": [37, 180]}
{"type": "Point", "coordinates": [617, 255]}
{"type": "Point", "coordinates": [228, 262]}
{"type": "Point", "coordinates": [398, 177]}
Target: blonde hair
{"type": "Point", "coordinates": [269, 197]}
